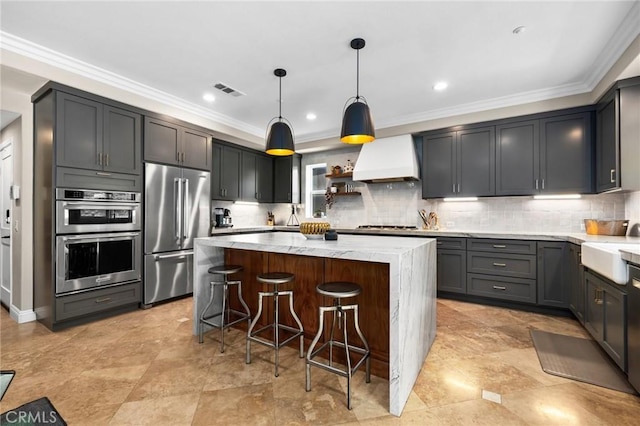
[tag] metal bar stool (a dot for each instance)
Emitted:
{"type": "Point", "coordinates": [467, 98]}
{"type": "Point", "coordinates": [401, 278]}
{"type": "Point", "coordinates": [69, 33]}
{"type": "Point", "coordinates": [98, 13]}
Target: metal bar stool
{"type": "Point", "coordinates": [225, 271]}
{"type": "Point", "coordinates": [338, 291]}
{"type": "Point", "coordinates": [275, 278]}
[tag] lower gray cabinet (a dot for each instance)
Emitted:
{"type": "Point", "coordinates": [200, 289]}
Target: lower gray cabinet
{"type": "Point", "coordinates": [452, 265]}
{"type": "Point", "coordinates": [552, 284]}
{"type": "Point", "coordinates": [575, 280]}
{"type": "Point", "coordinates": [605, 316]}
{"type": "Point", "coordinates": [506, 288]}
{"type": "Point", "coordinates": [95, 301]}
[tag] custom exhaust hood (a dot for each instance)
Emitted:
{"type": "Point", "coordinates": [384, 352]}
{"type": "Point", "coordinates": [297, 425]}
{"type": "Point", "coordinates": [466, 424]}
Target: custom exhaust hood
{"type": "Point", "coordinates": [387, 160]}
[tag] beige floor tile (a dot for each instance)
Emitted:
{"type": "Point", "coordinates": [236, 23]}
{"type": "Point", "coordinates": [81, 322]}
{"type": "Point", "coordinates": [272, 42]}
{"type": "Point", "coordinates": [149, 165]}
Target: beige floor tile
{"type": "Point", "coordinates": [249, 405]}
{"type": "Point", "coordinates": [171, 377]}
{"type": "Point", "coordinates": [476, 412]}
{"type": "Point", "coordinates": [174, 410]}
{"type": "Point", "coordinates": [439, 384]}
{"type": "Point", "coordinates": [526, 360]}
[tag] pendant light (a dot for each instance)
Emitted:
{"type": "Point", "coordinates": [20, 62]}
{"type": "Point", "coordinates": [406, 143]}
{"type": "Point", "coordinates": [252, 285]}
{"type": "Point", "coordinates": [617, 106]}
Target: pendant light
{"type": "Point", "coordinates": [357, 125]}
{"type": "Point", "coordinates": [280, 137]}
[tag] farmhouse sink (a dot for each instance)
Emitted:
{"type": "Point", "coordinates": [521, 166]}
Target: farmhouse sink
{"type": "Point", "coordinates": [606, 259]}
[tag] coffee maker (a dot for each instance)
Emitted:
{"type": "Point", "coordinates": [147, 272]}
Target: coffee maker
{"type": "Point", "coordinates": [222, 217]}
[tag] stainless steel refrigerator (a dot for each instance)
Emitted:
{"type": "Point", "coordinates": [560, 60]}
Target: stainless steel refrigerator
{"type": "Point", "coordinates": [177, 210]}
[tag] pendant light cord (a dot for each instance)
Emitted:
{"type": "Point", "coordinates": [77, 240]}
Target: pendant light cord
{"type": "Point", "coordinates": [357, 74]}
{"type": "Point", "coordinates": [280, 99]}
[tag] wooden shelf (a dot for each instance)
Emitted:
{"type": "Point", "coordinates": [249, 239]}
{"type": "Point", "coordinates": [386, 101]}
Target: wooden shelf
{"type": "Point", "coordinates": [342, 194]}
{"type": "Point", "coordinates": [340, 175]}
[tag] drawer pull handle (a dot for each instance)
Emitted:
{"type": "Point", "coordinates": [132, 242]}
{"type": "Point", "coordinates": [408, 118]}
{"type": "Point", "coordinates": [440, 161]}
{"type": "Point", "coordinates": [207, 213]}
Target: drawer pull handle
{"type": "Point", "coordinates": [636, 283]}
{"type": "Point", "coordinates": [499, 246]}
{"type": "Point", "coordinates": [502, 265]}
{"type": "Point", "coordinates": [103, 300]}
{"type": "Point", "coordinates": [439, 242]}
{"type": "Point", "coordinates": [103, 174]}
{"type": "Point", "coordinates": [499, 287]}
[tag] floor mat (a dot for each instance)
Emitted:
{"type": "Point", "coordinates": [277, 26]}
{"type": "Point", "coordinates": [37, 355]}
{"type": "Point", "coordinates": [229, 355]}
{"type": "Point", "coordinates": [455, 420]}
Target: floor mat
{"type": "Point", "coordinates": [36, 413]}
{"type": "Point", "coordinates": [578, 359]}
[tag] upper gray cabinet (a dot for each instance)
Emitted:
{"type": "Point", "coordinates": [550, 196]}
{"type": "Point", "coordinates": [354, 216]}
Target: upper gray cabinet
{"type": "Point", "coordinates": [95, 136]}
{"type": "Point", "coordinates": [264, 178]}
{"type": "Point", "coordinates": [546, 156]}
{"type": "Point", "coordinates": [459, 163]}
{"type": "Point", "coordinates": [225, 176]}
{"type": "Point", "coordinates": [169, 143]}
{"type": "Point", "coordinates": [286, 179]}
{"type": "Point", "coordinates": [618, 137]}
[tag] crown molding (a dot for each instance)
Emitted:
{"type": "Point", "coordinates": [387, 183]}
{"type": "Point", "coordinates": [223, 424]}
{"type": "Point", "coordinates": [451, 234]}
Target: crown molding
{"type": "Point", "coordinates": [59, 60]}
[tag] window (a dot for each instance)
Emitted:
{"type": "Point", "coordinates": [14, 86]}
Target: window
{"type": "Point", "coordinates": [315, 188]}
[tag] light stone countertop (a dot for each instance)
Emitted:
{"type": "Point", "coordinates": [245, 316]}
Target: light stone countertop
{"type": "Point", "coordinates": [631, 255]}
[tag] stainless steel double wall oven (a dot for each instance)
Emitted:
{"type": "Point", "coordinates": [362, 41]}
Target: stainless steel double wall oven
{"type": "Point", "coordinates": [98, 239]}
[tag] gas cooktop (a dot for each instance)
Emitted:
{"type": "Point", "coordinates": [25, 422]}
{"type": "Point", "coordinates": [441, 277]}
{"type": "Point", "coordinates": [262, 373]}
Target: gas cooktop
{"type": "Point", "coordinates": [399, 227]}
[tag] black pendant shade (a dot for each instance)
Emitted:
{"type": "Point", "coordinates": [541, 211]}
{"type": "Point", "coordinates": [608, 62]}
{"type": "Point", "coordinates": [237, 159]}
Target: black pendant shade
{"type": "Point", "coordinates": [280, 136]}
{"type": "Point", "coordinates": [357, 124]}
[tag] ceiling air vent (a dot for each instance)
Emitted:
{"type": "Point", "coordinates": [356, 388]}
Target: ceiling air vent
{"type": "Point", "coordinates": [228, 90]}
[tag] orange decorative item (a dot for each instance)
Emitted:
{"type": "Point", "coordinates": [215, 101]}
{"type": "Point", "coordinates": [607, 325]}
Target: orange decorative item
{"type": "Point", "coordinates": [606, 227]}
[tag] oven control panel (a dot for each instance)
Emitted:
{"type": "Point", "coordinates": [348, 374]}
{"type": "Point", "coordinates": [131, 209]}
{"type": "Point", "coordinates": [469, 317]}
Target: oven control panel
{"type": "Point", "coordinates": [83, 194]}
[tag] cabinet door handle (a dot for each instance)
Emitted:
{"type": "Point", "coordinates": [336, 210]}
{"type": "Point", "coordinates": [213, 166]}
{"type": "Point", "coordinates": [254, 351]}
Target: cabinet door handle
{"type": "Point", "coordinates": [458, 188]}
{"type": "Point", "coordinates": [499, 246]}
{"type": "Point", "coordinates": [542, 183]}
{"type": "Point", "coordinates": [106, 159]}
{"type": "Point", "coordinates": [499, 287]}
{"type": "Point", "coordinates": [178, 156]}
{"type": "Point", "coordinates": [613, 179]}
{"type": "Point", "coordinates": [100, 159]}
{"type": "Point", "coordinates": [103, 300]}
{"type": "Point", "coordinates": [502, 265]}
{"type": "Point", "coordinates": [536, 184]}
{"type": "Point", "coordinates": [183, 156]}
{"type": "Point", "coordinates": [454, 188]}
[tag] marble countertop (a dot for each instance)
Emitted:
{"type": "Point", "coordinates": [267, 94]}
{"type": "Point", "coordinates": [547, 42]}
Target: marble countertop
{"type": "Point", "coordinates": [575, 238]}
{"type": "Point", "coordinates": [631, 255]}
{"type": "Point", "coordinates": [370, 248]}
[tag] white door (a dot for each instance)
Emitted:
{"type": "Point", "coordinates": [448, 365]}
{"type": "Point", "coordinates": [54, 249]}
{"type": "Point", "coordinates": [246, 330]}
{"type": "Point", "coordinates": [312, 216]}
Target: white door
{"type": "Point", "coordinates": [6, 180]}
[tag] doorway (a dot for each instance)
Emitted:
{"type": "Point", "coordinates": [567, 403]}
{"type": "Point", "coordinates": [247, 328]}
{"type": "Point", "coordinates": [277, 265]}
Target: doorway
{"type": "Point", "coordinates": [6, 181]}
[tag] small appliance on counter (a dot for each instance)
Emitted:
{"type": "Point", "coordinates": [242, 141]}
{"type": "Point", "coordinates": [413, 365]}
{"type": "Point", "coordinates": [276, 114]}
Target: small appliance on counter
{"type": "Point", "coordinates": [223, 218]}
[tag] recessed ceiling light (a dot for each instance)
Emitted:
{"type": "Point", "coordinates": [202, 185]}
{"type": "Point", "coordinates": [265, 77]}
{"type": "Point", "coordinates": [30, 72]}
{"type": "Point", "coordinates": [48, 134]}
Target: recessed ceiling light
{"type": "Point", "coordinates": [311, 116]}
{"type": "Point", "coordinates": [209, 97]}
{"type": "Point", "coordinates": [519, 30]}
{"type": "Point", "coordinates": [441, 85]}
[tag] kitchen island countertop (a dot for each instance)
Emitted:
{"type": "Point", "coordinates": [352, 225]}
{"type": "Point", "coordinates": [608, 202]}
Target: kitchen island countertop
{"type": "Point", "coordinates": [412, 288]}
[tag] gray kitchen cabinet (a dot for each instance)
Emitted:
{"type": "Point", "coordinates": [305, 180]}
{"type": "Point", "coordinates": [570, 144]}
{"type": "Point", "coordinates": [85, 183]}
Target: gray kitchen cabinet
{"type": "Point", "coordinates": [576, 282]}
{"type": "Point", "coordinates": [67, 177]}
{"type": "Point", "coordinates": [517, 157]}
{"type": "Point", "coordinates": [502, 269]}
{"type": "Point", "coordinates": [264, 178]}
{"type": "Point", "coordinates": [617, 136]}
{"type": "Point", "coordinates": [460, 163]}
{"type": "Point", "coordinates": [552, 275]}
{"type": "Point", "coordinates": [170, 143]}
{"type": "Point", "coordinates": [286, 179]}
{"type": "Point", "coordinates": [257, 177]}
{"type": "Point", "coordinates": [565, 154]}
{"type": "Point", "coordinates": [92, 135]}
{"type": "Point", "coordinates": [545, 156]}
{"type": "Point", "coordinates": [225, 177]}
{"type": "Point", "coordinates": [96, 301]}
{"type": "Point", "coordinates": [452, 265]}
{"type": "Point", "coordinates": [605, 316]}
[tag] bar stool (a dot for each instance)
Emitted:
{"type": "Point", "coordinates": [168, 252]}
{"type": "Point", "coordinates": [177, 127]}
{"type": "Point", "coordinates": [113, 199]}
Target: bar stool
{"type": "Point", "coordinates": [225, 271]}
{"type": "Point", "coordinates": [275, 279]}
{"type": "Point", "coordinates": [338, 291]}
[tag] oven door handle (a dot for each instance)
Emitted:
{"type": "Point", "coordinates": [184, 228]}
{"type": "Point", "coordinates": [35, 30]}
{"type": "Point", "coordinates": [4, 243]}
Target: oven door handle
{"type": "Point", "coordinates": [171, 256]}
{"type": "Point", "coordinates": [100, 205]}
{"type": "Point", "coordinates": [91, 238]}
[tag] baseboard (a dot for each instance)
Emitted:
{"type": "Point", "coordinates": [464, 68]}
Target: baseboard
{"type": "Point", "coordinates": [22, 316]}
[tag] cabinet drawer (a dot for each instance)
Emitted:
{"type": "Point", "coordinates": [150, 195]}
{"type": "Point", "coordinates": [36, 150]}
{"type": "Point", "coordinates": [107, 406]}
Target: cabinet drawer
{"type": "Point", "coordinates": [499, 246]}
{"type": "Point", "coordinates": [508, 265]}
{"type": "Point", "coordinates": [515, 289]}
{"type": "Point", "coordinates": [452, 243]}
{"type": "Point", "coordinates": [87, 179]}
{"type": "Point", "coordinates": [95, 301]}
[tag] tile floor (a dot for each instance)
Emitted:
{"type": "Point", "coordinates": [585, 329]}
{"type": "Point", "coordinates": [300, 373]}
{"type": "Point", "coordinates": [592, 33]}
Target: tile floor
{"type": "Point", "coordinates": [145, 367]}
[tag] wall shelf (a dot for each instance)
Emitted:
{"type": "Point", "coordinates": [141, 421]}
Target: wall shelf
{"type": "Point", "coordinates": [340, 175]}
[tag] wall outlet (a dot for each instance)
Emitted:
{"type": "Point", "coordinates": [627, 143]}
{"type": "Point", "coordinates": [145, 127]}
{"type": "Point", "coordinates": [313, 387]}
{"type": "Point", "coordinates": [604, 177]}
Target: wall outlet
{"type": "Point", "coordinates": [450, 224]}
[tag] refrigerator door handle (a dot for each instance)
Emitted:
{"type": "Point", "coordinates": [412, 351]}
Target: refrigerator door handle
{"type": "Point", "coordinates": [186, 209]}
{"type": "Point", "coordinates": [177, 196]}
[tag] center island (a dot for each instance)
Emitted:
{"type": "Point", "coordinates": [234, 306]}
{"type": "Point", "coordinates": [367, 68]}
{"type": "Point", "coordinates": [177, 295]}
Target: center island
{"type": "Point", "coordinates": [397, 304]}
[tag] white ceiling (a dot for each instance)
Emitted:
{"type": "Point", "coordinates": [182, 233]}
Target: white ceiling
{"type": "Point", "coordinates": [184, 48]}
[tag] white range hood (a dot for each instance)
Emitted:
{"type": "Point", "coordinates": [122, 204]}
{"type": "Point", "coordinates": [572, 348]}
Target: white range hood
{"type": "Point", "coordinates": [387, 160]}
